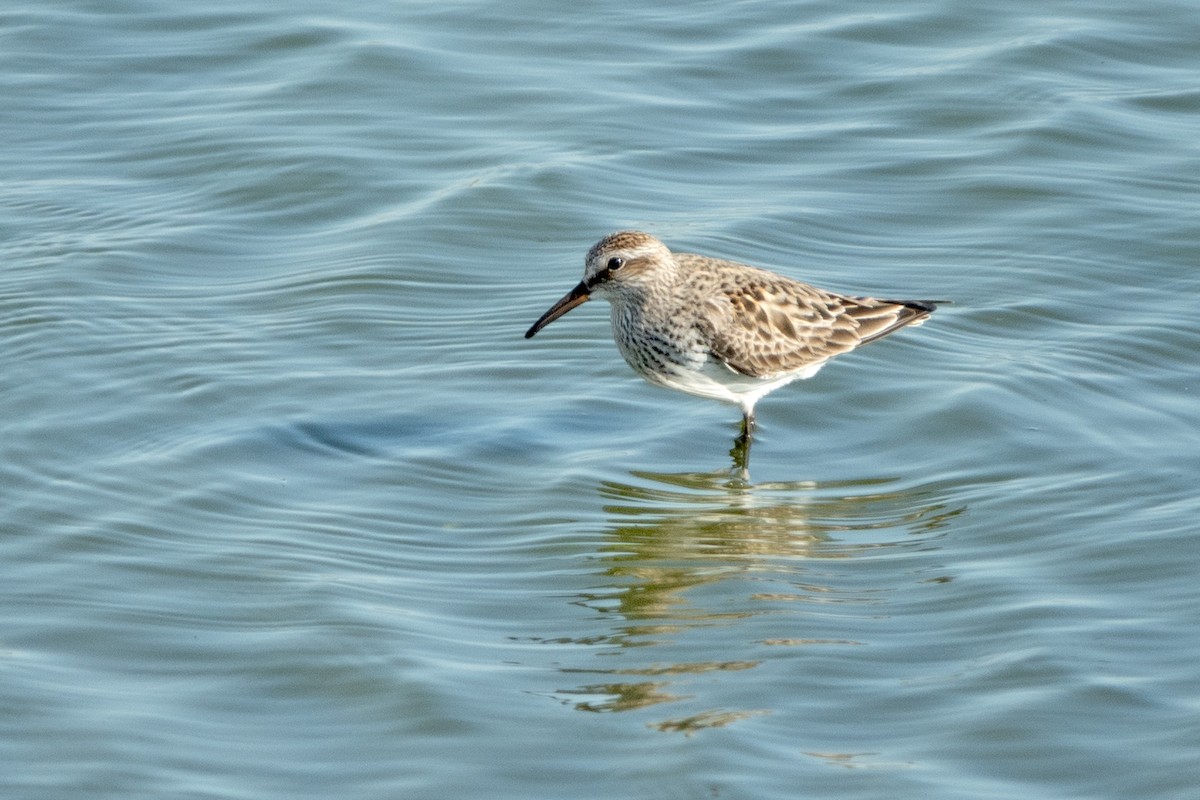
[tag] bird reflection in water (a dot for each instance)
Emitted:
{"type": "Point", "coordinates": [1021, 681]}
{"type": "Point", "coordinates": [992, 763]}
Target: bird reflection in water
{"type": "Point", "coordinates": [699, 566]}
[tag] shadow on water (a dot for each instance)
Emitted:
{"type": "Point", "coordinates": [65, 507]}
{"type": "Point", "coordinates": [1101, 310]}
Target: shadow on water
{"type": "Point", "coordinates": [707, 564]}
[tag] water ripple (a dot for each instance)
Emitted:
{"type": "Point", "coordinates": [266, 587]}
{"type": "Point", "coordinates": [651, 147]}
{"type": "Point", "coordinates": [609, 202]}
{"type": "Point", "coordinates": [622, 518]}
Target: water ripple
{"type": "Point", "coordinates": [290, 507]}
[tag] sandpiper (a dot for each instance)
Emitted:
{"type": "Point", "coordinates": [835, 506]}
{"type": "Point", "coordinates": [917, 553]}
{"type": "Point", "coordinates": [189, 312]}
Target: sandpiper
{"type": "Point", "coordinates": [721, 329]}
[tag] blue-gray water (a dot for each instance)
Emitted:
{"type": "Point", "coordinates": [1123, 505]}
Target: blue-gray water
{"type": "Point", "coordinates": [289, 509]}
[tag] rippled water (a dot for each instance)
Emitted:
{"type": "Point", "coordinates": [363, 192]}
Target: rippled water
{"type": "Point", "coordinates": [290, 509]}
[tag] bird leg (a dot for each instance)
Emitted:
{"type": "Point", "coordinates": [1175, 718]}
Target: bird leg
{"type": "Point", "coordinates": [741, 445]}
{"type": "Point", "coordinates": [748, 426]}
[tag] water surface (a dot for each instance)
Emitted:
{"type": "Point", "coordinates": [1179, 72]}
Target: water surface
{"type": "Point", "coordinates": [290, 509]}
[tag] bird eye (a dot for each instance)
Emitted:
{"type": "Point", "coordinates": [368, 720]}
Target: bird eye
{"type": "Point", "coordinates": [615, 263]}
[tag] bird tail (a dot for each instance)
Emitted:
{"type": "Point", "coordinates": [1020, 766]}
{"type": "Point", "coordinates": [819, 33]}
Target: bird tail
{"type": "Point", "coordinates": [878, 318]}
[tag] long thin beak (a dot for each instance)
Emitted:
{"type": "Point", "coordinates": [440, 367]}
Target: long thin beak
{"type": "Point", "coordinates": [576, 297]}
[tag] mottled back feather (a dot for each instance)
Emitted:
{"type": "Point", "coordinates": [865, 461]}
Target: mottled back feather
{"type": "Point", "coordinates": [762, 325]}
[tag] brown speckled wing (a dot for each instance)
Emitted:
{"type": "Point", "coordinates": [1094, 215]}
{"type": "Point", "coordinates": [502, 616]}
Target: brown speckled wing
{"type": "Point", "coordinates": [763, 325]}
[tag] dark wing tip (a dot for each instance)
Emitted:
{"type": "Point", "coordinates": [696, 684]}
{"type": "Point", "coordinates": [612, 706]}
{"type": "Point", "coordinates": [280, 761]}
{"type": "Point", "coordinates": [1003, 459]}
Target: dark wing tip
{"type": "Point", "coordinates": [928, 306]}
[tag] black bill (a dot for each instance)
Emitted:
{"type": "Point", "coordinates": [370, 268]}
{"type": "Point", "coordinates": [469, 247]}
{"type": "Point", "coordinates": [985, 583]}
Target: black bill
{"type": "Point", "coordinates": [577, 296]}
